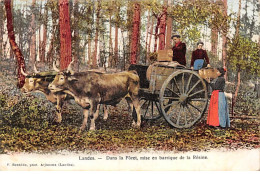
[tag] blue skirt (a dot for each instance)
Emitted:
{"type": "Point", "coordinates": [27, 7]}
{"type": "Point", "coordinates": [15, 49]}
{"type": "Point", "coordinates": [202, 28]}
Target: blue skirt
{"type": "Point", "coordinates": [198, 64]}
{"type": "Point", "coordinates": [223, 112]}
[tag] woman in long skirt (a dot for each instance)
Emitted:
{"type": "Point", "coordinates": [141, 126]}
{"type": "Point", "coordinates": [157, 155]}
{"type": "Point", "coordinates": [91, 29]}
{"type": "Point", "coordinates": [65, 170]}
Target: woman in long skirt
{"type": "Point", "coordinates": [218, 107]}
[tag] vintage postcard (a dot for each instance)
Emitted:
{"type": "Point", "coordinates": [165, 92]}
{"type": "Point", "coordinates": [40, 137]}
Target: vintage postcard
{"type": "Point", "coordinates": [129, 85]}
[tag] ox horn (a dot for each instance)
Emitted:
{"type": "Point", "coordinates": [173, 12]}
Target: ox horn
{"type": "Point", "coordinates": [55, 67]}
{"type": "Point", "coordinates": [34, 68]}
{"type": "Point", "coordinates": [23, 73]}
{"type": "Point", "coordinates": [70, 68]}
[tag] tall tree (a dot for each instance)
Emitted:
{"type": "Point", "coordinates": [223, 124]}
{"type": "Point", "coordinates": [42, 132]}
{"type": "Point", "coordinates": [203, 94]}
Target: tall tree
{"type": "Point", "coordinates": [44, 40]}
{"type": "Point", "coordinates": [150, 37]}
{"type": "Point", "coordinates": [33, 35]}
{"type": "Point", "coordinates": [115, 62]}
{"type": "Point", "coordinates": [135, 32]}
{"type": "Point", "coordinates": [98, 9]}
{"type": "Point", "coordinates": [14, 46]}
{"type": "Point", "coordinates": [169, 28]}
{"type": "Point", "coordinates": [1, 29]}
{"type": "Point", "coordinates": [237, 40]}
{"type": "Point", "coordinates": [162, 27]}
{"type": "Point", "coordinates": [65, 34]}
{"type": "Point", "coordinates": [214, 34]}
{"type": "Point", "coordinates": [224, 39]}
{"type": "Point", "coordinates": [147, 31]}
{"type": "Point", "coordinates": [76, 40]}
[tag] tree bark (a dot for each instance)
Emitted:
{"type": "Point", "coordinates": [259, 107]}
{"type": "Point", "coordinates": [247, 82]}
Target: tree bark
{"type": "Point", "coordinates": [214, 41]}
{"type": "Point", "coordinates": [89, 51]}
{"type": "Point", "coordinates": [44, 40]}
{"type": "Point", "coordinates": [15, 48]}
{"type": "Point", "coordinates": [169, 29]}
{"type": "Point", "coordinates": [224, 41]}
{"type": "Point", "coordinates": [1, 30]}
{"type": "Point", "coordinates": [156, 33]}
{"type": "Point", "coordinates": [238, 68]}
{"type": "Point", "coordinates": [238, 20]}
{"type": "Point", "coordinates": [237, 87]}
{"type": "Point", "coordinates": [116, 38]}
{"type": "Point", "coordinates": [94, 61]}
{"type": "Point", "coordinates": [135, 32]}
{"type": "Point", "coordinates": [162, 27]}
{"type": "Point", "coordinates": [76, 35]}
{"type": "Point", "coordinates": [110, 42]}
{"type": "Point", "coordinates": [33, 36]}
{"type": "Point", "coordinates": [146, 36]}
{"type": "Point", "coordinates": [150, 37]}
{"type": "Point", "coordinates": [65, 34]}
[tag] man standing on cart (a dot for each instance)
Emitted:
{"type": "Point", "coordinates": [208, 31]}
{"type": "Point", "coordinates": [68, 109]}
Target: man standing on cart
{"type": "Point", "coordinates": [179, 50]}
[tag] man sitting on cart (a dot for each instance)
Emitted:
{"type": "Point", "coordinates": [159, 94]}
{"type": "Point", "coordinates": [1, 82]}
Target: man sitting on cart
{"type": "Point", "coordinates": [199, 58]}
{"type": "Point", "coordinates": [179, 50]}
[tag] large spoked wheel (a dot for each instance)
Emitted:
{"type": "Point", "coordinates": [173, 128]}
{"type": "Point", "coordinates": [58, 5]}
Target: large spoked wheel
{"type": "Point", "coordinates": [183, 98]}
{"type": "Point", "coordinates": [150, 109]}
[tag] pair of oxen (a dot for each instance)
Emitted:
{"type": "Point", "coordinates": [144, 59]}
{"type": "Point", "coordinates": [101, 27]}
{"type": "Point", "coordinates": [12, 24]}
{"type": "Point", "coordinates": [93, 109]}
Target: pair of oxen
{"type": "Point", "coordinates": [89, 89]}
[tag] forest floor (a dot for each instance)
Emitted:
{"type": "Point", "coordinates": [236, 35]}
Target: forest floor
{"type": "Point", "coordinates": [26, 126]}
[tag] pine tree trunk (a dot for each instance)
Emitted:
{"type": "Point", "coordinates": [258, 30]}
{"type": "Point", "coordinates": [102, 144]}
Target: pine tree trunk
{"type": "Point", "coordinates": [224, 42]}
{"type": "Point", "coordinates": [1, 29]}
{"type": "Point", "coordinates": [76, 35]}
{"type": "Point", "coordinates": [169, 29]}
{"type": "Point", "coordinates": [259, 36]}
{"type": "Point", "coordinates": [15, 48]}
{"type": "Point", "coordinates": [115, 62]}
{"type": "Point", "coordinates": [44, 41]}
{"type": "Point", "coordinates": [237, 87]}
{"type": "Point", "coordinates": [130, 28]}
{"type": "Point", "coordinates": [89, 51]}
{"type": "Point", "coordinates": [162, 27]}
{"type": "Point", "coordinates": [50, 51]}
{"type": "Point", "coordinates": [238, 68]}
{"type": "Point", "coordinates": [150, 37]}
{"type": "Point", "coordinates": [65, 34]}
{"type": "Point", "coordinates": [110, 42]}
{"type": "Point", "coordinates": [146, 36]}
{"type": "Point", "coordinates": [214, 41]}
{"type": "Point", "coordinates": [156, 33]}
{"type": "Point", "coordinates": [39, 44]}
{"type": "Point", "coordinates": [135, 33]}
{"type": "Point", "coordinates": [33, 36]}
{"type": "Point", "coordinates": [94, 61]}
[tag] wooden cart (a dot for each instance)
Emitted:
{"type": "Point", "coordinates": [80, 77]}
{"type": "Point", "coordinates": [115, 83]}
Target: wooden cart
{"type": "Point", "coordinates": [178, 94]}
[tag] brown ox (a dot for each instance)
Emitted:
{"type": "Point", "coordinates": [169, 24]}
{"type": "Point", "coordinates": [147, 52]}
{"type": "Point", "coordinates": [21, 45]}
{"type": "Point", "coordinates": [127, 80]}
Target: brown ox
{"type": "Point", "coordinates": [92, 88]}
{"type": "Point", "coordinates": [39, 82]}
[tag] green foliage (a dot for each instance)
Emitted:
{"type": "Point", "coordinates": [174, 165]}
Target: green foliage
{"type": "Point", "coordinates": [248, 103]}
{"type": "Point", "coordinates": [243, 54]}
{"type": "Point", "coordinates": [190, 16]}
{"type": "Point", "coordinates": [23, 112]}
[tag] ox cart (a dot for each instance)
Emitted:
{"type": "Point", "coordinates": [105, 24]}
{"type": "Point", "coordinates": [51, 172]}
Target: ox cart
{"type": "Point", "coordinates": [171, 90]}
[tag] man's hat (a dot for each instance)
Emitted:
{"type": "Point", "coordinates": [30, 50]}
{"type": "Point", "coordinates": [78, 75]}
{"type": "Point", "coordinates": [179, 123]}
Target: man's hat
{"type": "Point", "coordinates": [176, 35]}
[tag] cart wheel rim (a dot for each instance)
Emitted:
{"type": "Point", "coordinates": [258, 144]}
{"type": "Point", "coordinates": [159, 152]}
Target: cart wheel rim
{"type": "Point", "coordinates": [183, 98]}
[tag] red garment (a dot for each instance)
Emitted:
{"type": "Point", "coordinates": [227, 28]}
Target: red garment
{"type": "Point", "coordinates": [179, 51]}
{"type": "Point", "coordinates": [213, 119]}
{"type": "Point", "coordinates": [199, 54]}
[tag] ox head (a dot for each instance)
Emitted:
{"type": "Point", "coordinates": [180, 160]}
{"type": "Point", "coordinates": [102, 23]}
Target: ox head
{"type": "Point", "coordinates": [36, 80]}
{"type": "Point", "coordinates": [62, 78]}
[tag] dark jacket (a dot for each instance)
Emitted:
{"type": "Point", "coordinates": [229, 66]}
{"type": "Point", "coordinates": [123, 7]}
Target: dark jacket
{"type": "Point", "coordinates": [218, 84]}
{"type": "Point", "coordinates": [179, 52]}
{"type": "Point", "coordinates": [199, 54]}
